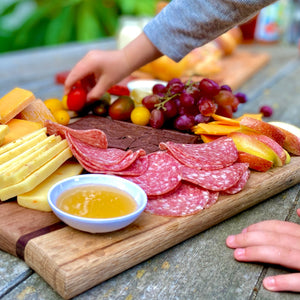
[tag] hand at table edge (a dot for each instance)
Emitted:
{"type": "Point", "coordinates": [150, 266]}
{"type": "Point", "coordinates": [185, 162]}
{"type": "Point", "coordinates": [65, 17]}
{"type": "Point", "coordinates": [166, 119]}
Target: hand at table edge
{"type": "Point", "coordinates": [274, 242]}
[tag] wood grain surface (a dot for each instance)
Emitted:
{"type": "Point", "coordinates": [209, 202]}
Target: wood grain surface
{"type": "Point", "coordinates": [72, 261]}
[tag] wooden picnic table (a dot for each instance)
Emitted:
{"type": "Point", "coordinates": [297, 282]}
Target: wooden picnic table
{"type": "Point", "coordinates": [201, 267]}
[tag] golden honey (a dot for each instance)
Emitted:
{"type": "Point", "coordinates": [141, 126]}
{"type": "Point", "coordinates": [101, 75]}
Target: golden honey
{"type": "Point", "coordinates": [94, 201]}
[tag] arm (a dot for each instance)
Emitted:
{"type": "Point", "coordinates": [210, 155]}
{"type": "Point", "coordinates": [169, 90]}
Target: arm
{"type": "Point", "coordinates": [180, 27]}
{"type": "Point", "coordinates": [274, 242]}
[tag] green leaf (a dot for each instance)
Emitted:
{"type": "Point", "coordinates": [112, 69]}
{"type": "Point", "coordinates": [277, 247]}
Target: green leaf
{"type": "Point", "coordinates": [127, 7]}
{"type": "Point", "coordinates": [59, 30]}
{"type": "Point", "coordinates": [88, 27]}
{"type": "Point", "coordinates": [107, 13]}
{"type": "Point", "coordinates": [27, 32]}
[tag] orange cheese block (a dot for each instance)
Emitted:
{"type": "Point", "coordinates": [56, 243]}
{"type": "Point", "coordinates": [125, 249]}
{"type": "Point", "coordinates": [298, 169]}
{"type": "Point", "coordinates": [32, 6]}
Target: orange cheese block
{"type": "Point", "coordinates": [14, 102]}
{"type": "Point", "coordinates": [36, 111]}
{"type": "Point", "coordinates": [19, 128]}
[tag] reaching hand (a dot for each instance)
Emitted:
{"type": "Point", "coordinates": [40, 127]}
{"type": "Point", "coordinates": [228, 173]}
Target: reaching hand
{"type": "Point", "coordinates": [109, 67]}
{"type": "Point", "coordinates": [274, 242]}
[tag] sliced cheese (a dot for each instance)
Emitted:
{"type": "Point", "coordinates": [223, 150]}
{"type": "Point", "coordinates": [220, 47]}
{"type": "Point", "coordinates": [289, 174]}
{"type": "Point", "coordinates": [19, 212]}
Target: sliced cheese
{"type": "Point", "coordinates": [38, 197]}
{"type": "Point", "coordinates": [26, 163]}
{"type": "Point", "coordinates": [13, 103]}
{"type": "Point", "coordinates": [15, 151]}
{"type": "Point", "coordinates": [34, 179]}
{"type": "Point", "coordinates": [36, 111]}
{"type": "Point", "coordinates": [21, 140]}
{"type": "Point", "coordinates": [19, 128]}
{"type": "Point", "coordinates": [3, 132]}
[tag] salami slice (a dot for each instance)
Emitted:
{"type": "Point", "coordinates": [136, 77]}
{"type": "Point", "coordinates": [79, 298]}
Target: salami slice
{"type": "Point", "coordinates": [215, 180]}
{"type": "Point", "coordinates": [207, 156]}
{"type": "Point", "coordinates": [186, 200]}
{"type": "Point", "coordinates": [99, 160]}
{"type": "Point", "coordinates": [97, 156]}
{"type": "Point", "coordinates": [95, 137]}
{"type": "Point", "coordinates": [163, 174]}
{"type": "Point", "coordinates": [239, 185]}
{"type": "Point", "coordinates": [135, 169]}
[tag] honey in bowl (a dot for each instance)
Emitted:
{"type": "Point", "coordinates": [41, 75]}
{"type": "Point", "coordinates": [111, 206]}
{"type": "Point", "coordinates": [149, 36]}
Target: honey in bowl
{"type": "Point", "coordinates": [94, 201]}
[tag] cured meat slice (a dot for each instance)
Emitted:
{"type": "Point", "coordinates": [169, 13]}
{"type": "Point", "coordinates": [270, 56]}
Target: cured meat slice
{"type": "Point", "coordinates": [239, 185]}
{"type": "Point", "coordinates": [215, 180]}
{"type": "Point", "coordinates": [94, 159]}
{"type": "Point", "coordinates": [135, 169]}
{"type": "Point", "coordinates": [97, 156]}
{"type": "Point", "coordinates": [162, 176]}
{"type": "Point", "coordinates": [95, 137]}
{"type": "Point", "coordinates": [207, 156]}
{"type": "Point", "coordinates": [186, 200]}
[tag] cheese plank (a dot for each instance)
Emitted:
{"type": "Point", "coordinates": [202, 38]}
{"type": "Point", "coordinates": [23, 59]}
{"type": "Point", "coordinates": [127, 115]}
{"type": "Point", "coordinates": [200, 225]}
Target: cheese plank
{"type": "Point", "coordinates": [13, 103]}
{"type": "Point", "coordinates": [19, 128]}
{"type": "Point", "coordinates": [8, 155]}
{"type": "Point", "coordinates": [36, 177]}
{"type": "Point", "coordinates": [30, 160]}
{"type": "Point", "coordinates": [6, 148]}
{"type": "Point", "coordinates": [38, 197]}
{"type": "Point", "coordinates": [4, 129]}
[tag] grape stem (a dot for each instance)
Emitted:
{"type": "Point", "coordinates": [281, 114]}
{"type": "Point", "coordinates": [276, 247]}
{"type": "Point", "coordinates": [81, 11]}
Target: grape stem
{"type": "Point", "coordinates": [161, 105]}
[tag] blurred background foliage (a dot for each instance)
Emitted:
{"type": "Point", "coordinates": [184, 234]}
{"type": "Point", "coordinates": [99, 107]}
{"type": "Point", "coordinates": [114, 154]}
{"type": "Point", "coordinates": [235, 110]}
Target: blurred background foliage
{"type": "Point", "coordinates": [33, 23]}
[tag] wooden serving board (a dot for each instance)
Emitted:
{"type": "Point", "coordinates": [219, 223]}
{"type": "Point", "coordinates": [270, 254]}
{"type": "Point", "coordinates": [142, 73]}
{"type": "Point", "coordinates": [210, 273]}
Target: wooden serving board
{"type": "Point", "coordinates": [72, 261]}
{"type": "Point", "coordinates": [236, 68]}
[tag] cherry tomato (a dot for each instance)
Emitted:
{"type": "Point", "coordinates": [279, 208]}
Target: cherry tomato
{"type": "Point", "coordinates": [121, 108]}
{"type": "Point", "coordinates": [140, 115]}
{"type": "Point", "coordinates": [60, 77]}
{"type": "Point", "coordinates": [119, 90]}
{"type": "Point", "coordinates": [76, 99]}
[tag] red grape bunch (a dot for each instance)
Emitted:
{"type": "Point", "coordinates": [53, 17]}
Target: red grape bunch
{"type": "Point", "coordinates": [181, 105]}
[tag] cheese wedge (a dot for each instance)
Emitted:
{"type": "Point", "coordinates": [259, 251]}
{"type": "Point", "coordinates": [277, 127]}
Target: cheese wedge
{"type": "Point", "coordinates": [3, 132]}
{"type": "Point", "coordinates": [38, 197]}
{"type": "Point", "coordinates": [21, 140]}
{"type": "Point", "coordinates": [34, 179]}
{"type": "Point", "coordinates": [26, 163]}
{"type": "Point", "coordinates": [19, 128]}
{"type": "Point", "coordinates": [15, 151]}
{"type": "Point", "coordinates": [13, 103]}
{"type": "Point", "coordinates": [36, 111]}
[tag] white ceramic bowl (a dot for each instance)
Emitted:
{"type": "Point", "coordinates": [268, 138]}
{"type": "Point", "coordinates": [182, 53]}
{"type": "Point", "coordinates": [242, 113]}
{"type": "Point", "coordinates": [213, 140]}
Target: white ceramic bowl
{"type": "Point", "coordinates": [95, 225]}
{"type": "Point", "coordinates": [144, 84]}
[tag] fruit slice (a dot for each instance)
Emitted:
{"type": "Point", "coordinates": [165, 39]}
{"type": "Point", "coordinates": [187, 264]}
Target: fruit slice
{"type": "Point", "coordinates": [250, 144]}
{"type": "Point", "coordinates": [255, 163]}
{"type": "Point", "coordinates": [262, 127]}
{"type": "Point", "coordinates": [292, 136]}
{"type": "Point", "coordinates": [281, 154]}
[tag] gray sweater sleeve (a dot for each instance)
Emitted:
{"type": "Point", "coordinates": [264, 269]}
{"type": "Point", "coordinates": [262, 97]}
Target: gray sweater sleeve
{"type": "Point", "coordinates": [187, 24]}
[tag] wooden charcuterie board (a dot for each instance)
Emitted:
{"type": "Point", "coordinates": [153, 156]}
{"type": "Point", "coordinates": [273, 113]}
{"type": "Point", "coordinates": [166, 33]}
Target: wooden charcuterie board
{"type": "Point", "coordinates": [72, 261]}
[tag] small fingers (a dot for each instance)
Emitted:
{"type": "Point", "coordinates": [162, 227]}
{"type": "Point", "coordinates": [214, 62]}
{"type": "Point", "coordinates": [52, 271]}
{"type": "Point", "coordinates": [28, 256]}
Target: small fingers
{"type": "Point", "coordinates": [262, 238]}
{"type": "Point", "coordinates": [283, 256]}
{"type": "Point", "coordinates": [288, 282]}
{"type": "Point", "coordinates": [276, 226]}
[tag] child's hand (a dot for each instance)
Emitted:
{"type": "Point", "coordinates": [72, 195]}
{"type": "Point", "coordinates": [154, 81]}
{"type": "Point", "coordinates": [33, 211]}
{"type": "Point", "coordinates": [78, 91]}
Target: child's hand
{"type": "Point", "coordinates": [108, 67]}
{"type": "Point", "coordinates": [274, 242]}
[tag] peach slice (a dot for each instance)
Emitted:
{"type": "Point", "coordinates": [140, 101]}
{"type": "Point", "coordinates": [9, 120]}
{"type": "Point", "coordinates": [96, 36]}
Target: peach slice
{"type": "Point", "coordinates": [255, 163]}
{"type": "Point", "coordinates": [250, 144]}
{"type": "Point", "coordinates": [292, 136]}
{"type": "Point", "coordinates": [281, 154]}
{"type": "Point", "coordinates": [264, 128]}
